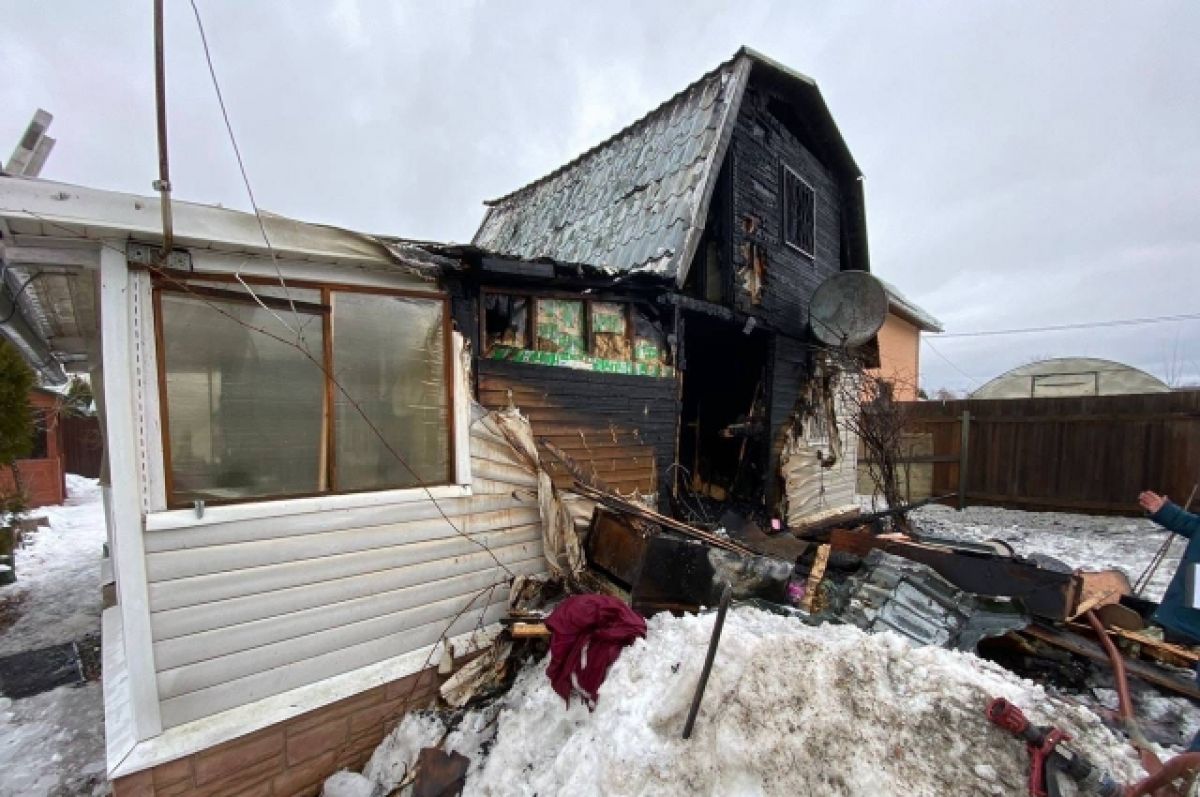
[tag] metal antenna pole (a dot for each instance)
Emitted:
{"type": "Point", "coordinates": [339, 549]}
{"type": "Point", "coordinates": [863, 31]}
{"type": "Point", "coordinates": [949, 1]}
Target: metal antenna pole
{"type": "Point", "coordinates": [163, 183]}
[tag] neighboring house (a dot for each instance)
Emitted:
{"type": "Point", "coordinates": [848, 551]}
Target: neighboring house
{"type": "Point", "coordinates": [302, 494]}
{"type": "Point", "coordinates": [900, 343]}
{"type": "Point", "coordinates": [1070, 376]}
{"type": "Point", "coordinates": [43, 477]}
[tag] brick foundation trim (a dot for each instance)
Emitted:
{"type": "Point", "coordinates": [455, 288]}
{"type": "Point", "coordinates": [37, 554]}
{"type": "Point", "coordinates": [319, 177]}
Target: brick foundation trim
{"type": "Point", "coordinates": [293, 757]}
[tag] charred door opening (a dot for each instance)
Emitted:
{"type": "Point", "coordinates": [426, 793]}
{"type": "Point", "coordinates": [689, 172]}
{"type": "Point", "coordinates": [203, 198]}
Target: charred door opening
{"type": "Point", "coordinates": [723, 431]}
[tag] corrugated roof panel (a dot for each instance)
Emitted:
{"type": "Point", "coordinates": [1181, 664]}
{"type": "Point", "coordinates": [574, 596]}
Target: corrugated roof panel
{"type": "Point", "coordinates": [629, 201]}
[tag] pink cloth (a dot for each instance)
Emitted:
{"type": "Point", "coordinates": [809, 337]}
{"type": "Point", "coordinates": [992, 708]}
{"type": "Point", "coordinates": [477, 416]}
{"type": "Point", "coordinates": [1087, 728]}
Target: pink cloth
{"type": "Point", "coordinates": [588, 633]}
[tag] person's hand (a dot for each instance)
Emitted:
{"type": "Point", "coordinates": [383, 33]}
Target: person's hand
{"type": "Point", "coordinates": [1151, 502]}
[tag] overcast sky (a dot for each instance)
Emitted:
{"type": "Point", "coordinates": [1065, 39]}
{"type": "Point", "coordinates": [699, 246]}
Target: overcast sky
{"type": "Point", "coordinates": [1026, 163]}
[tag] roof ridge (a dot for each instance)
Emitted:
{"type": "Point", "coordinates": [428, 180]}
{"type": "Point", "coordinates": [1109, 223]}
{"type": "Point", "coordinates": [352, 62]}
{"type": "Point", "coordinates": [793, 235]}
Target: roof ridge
{"type": "Point", "coordinates": [624, 131]}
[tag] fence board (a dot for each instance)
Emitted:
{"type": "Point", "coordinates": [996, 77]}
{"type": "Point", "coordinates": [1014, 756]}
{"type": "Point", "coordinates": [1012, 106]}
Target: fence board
{"type": "Point", "coordinates": [1090, 454]}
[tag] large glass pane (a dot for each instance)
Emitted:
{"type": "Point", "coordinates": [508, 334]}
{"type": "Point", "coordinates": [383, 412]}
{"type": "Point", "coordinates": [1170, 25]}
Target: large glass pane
{"type": "Point", "coordinates": [389, 356]}
{"type": "Point", "coordinates": [244, 410]}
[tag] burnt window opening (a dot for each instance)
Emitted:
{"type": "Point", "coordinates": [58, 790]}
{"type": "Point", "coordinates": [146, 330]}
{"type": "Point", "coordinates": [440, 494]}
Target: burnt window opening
{"type": "Point", "coordinates": [600, 335]}
{"type": "Point", "coordinates": [560, 327]}
{"type": "Point", "coordinates": [610, 331]}
{"type": "Point", "coordinates": [799, 213]}
{"type": "Point", "coordinates": [506, 322]}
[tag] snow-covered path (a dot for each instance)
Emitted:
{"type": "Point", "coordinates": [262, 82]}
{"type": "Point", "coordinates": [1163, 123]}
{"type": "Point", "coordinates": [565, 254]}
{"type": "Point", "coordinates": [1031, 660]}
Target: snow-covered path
{"type": "Point", "coordinates": [57, 594]}
{"type": "Point", "coordinates": [52, 744]}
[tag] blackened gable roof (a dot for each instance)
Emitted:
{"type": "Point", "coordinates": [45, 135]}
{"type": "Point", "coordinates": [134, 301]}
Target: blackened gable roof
{"type": "Point", "coordinates": [637, 202]}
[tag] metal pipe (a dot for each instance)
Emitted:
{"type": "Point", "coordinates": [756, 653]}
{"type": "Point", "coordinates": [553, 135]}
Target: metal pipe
{"type": "Point", "coordinates": [163, 183]}
{"type": "Point", "coordinates": [1176, 767]}
{"type": "Point", "coordinates": [726, 594]}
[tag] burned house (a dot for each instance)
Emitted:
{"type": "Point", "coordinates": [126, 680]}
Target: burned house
{"type": "Point", "coordinates": [647, 304]}
{"type": "Point", "coordinates": [313, 486]}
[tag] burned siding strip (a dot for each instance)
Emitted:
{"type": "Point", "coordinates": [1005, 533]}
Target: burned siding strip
{"type": "Point", "coordinates": [620, 427]}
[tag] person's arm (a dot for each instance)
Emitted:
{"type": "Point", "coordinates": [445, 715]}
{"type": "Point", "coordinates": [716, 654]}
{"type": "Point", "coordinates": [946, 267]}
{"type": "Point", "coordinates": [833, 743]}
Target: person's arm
{"type": "Point", "coordinates": [1169, 515]}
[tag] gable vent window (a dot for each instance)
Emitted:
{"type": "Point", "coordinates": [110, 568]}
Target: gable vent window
{"type": "Point", "coordinates": [799, 213]}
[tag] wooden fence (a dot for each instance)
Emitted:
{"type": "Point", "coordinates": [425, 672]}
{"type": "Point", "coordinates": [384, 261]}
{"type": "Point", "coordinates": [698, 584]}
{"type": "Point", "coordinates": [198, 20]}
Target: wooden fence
{"type": "Point", "coordinates": [83, 445]}
{"type": "Point", "coordinates": [1092, 454]}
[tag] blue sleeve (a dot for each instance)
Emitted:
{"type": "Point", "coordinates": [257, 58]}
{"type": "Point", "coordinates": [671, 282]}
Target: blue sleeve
{"type": "Point", "coordinates": [1172, 518]}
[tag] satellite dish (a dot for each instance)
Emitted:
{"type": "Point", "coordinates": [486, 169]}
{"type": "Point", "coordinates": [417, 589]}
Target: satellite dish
{"type": "Point", "coordinates": [848, 309]}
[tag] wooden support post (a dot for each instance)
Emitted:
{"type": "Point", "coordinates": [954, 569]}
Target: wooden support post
{"type": "Point", "coordinates": [963, 458]}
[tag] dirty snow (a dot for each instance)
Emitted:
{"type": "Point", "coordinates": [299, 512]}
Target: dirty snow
{"type": "Point", "coordinates": [789, 709]}
{"type": "Point", "coordinates": [57, 594]}
{"type": "Point", "coordinates": [1087, 541]}
{"type": "Point", "coordinates": [53, 744]}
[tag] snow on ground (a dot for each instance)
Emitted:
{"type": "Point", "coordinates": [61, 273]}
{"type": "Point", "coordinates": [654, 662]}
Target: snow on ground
{"type": "Point", "coordinates": [57, 594]}
{"type": "Point", "coordinates": [52, 744]}
{"type": "Point", "coordinates": [1087, 541]}
{"type": "Point", "coordinates": [789, 710]}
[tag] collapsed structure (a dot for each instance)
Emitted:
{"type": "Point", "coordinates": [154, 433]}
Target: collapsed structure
{"type": "Point", "coordinates": [330, 455]}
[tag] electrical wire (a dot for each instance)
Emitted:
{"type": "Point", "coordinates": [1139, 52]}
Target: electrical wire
{"type": "Point", "coordinates": [1162, 319]}
{"type": "Point", "coordinates": [299, 330]}
{"type": "Point", "coordinates": [974, 382]}
{"type": "Point", "coordinates": [16, 296]}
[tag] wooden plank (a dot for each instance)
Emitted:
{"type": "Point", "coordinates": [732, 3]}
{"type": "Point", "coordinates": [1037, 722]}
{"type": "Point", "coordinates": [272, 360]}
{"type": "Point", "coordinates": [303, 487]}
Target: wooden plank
{"type": "Point", "coordinates": [1091, 650]}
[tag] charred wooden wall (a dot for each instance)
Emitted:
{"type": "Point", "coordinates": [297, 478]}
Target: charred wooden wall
{"type": "Point", "coordinates": [762, 145]}
{"type": "Point", "coordinates": [619, 427]}
{"type": "Point", "coordinates": [789, 371]}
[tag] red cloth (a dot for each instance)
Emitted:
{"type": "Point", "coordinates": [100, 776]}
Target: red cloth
{"type": "Point", "coordinates": [587, 635]}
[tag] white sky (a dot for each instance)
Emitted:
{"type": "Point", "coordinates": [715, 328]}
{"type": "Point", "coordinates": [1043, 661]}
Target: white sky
{"type": "Point", "coordinates": [1026, 163]}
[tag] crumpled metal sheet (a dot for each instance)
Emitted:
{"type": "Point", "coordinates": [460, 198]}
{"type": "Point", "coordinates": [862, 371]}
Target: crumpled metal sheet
{"type": "Point", "coordinates": [564, 554]}
{"type": "Point", "coordinates": [895, 594]}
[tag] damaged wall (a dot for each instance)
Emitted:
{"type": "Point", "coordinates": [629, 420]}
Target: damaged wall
{"type": "Point", "coordinates": [762, 144]}
{"type": "Point", "coordinates": [620, 427]}
{"type": "Point", "coordinates": [819, 465]}
{"type": "Point", "coordinates": [245, 609]}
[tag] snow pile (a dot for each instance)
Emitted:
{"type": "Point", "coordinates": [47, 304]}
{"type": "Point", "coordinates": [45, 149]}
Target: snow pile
{"type": "Point", "coordinates": [1087, 541]}
{"type": "Point", "coordinates": [789, 709]}
{"type": "Point", "coordinates": [57, 593]}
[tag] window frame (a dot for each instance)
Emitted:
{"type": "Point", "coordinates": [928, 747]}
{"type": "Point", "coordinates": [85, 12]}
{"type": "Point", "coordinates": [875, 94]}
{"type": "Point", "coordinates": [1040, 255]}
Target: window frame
{"type": "Point", "coordinates": [177, 284]}
{"type": "Point", "coordinates": [784, 227]}
{"type": "Point", "coordinates": [533, 296]}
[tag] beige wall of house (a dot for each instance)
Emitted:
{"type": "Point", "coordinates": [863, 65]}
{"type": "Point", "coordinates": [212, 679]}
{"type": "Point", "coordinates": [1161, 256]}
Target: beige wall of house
{"type": "Point", "coordinates": [900, 356]}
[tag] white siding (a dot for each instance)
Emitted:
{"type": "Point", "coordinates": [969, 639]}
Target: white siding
{"type": "Point", "coordinates": [244, 609]}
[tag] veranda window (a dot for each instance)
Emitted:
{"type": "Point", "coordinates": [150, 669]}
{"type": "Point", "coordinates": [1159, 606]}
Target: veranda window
{"type": "Point", "coordinates": [358, 400]}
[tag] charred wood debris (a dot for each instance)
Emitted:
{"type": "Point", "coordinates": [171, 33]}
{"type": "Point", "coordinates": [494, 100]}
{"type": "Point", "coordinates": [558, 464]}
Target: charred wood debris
{"type": "Point", "coordinates": [1035, 616]}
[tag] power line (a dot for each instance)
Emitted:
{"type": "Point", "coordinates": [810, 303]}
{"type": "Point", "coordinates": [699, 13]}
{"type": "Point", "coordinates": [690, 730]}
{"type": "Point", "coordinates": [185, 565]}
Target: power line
{"type": "Point", "coordinates": [1162, 319]}
{"type": "Point", "coordinates": [299, 331]}
{"type": "Point", "coordinates": [948, 361]}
